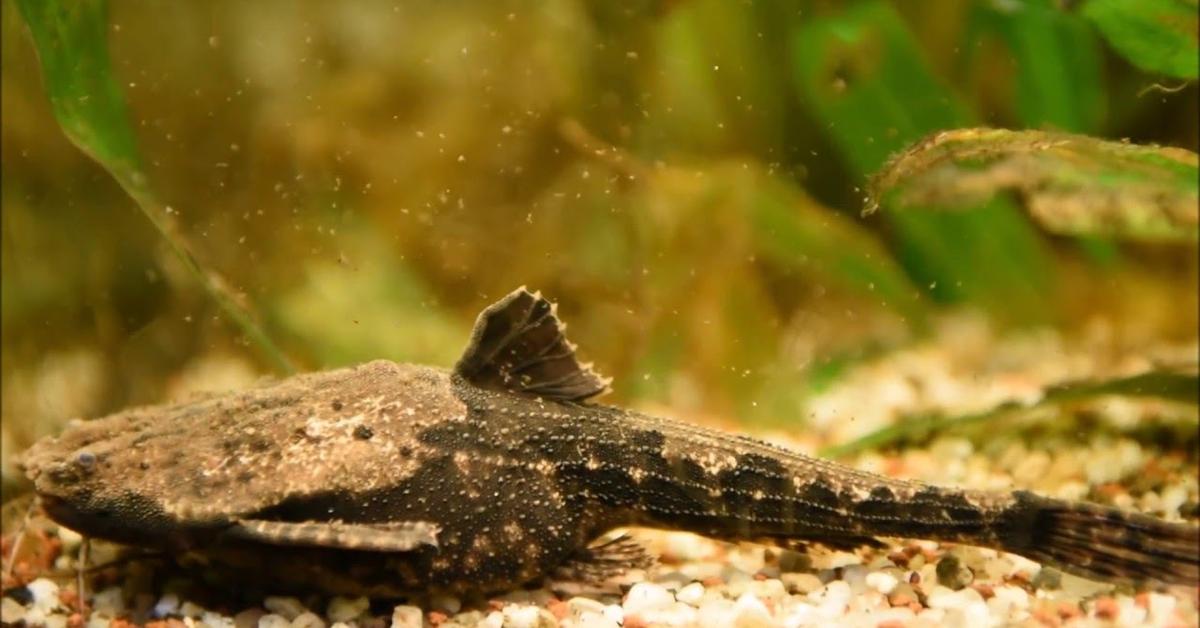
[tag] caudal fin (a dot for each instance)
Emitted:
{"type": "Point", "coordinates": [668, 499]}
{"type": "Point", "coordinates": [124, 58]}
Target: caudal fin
{"type": "Point", "coordinates": [1104, 543]}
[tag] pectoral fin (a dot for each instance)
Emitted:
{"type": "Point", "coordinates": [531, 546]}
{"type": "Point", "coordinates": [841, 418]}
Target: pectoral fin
{"type": "Point", "coordinates": [400, 536]}
{"type": "Point", "coordinates": [518, 345]}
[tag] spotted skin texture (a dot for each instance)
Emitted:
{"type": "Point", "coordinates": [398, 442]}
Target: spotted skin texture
{"type": "Point", "coordinates": [386, 479]}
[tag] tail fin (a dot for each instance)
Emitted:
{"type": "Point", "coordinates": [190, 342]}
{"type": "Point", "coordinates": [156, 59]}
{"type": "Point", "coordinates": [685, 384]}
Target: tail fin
{"type": "Point", "coordinates": [1103, 543]}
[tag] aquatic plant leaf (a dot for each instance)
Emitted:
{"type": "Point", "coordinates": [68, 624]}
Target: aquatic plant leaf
{"type": "Point", "coordinates": [72, 47]}
{"type": "Point", "coordinates": [863, 76]}
{"type": "Point", "coordinates": [1045, 44]}
{"type": "Point", "coordinates": [794, 232]}
{"type": "Point", "coordinates": [1169, 385]}
{"type": "Point", "coordinates": [1155, 35]}
{"type": "Point", "coordinates": [1069, 184]}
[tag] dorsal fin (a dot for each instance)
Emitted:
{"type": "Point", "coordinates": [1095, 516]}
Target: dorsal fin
{"type": "Point", "coordinates": [518, 345]}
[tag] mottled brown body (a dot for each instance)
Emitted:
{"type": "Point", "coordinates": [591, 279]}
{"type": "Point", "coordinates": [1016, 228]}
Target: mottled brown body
{"type": "Point", "coordinates": [387, 478]}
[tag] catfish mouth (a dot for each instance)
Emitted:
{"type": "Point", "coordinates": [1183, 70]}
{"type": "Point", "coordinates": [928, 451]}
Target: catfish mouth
{"type": "Point", "coordinates": [132, 521]}
{"type": "Point", "coordinates": [88, 522]}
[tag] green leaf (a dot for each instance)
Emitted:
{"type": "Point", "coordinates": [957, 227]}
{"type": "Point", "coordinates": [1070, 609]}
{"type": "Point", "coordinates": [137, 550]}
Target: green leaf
{"type": "Point", "coordinates": [1070, 184]}
{"type": "Point", "coordinates": [1168, 385]}
{"type": "Point", "coordinates": [72, 47]}
{"type": "Point", "coordinates": [793, 231]}
{"type": "Point", "coordinates": [1156, 35]}
{"type": "Point", "coordinates": [71, 40]}
{"type": "Point", "coordinates": [862, 74]}
{"type": "Point", "coordinates": [1046, 45]}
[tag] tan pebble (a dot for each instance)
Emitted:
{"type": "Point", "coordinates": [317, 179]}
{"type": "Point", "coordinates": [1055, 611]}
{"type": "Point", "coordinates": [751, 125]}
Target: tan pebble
{"type": "Point", "coordinates": [1107, 608]}
{"type": "Point", "coordinates": [248, 618]}
{"type": "Point", "coordinates": [634, 621]}
{"type": "Point", "coordinates": [1045, 617]}
{"type": "Point", "coordinates": [75, 620]}
{"type": "Point", "coordinates": [437, 618]}
{"type": "Point", "coordinates": [558, 608]}
{"type": "Point", "coordinates": [891, 623]}
{"type": "Point", "coordinates": [1069, 610]}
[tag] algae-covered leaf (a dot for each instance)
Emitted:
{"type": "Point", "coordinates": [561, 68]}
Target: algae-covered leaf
{"type": "Point", "coordinates": [72, 47]}
{"type": "Point", "coordinates": [1070, 184]}
{"type": "Point", "coordinates": [1180, 387]}
{"type": "Point", "coordinates": [1155, 35]}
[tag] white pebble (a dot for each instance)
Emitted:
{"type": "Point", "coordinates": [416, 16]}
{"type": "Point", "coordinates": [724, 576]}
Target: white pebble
{"type": "Point", "coordinates": [1173, 498]}
{"type": "Point", "coordinates": [521, 616]}
{"type": "Point", "coordinates": [1161, 607]}
{"type": "Point", "coordinates": [287, 607]}
{"type": "Point", "coordinates": [191, 609]}
{"type": "Point", "coordinates": [882, 581]}
{"type": "Point", "coordinates": [942, 597]}
{"type": "Point", "coordinates": [593, 620]}
{"type": "Point", "coordinates": [308, 619]}
{"type": "Point", "coordinates": [216, 620]}
{"type": "Point", "coordinates": [271, 620]}
{"type": "Point", "coordinates": [645, 596]}
{"type": "Point", "coordinates": [44, 593]}
{"type": "Point", "coordinates": [70, 538]}
{"type": "Point", "coordinates": [832, 600]}
{"type": "Point", "coordinates": [769, 589]}
{"type": "Point", "coordinates": [248, 617]}
{"type": "Point", "coordinates": [407, 617]}
{"type": "Point", "coordinates": [11, 611]}
{"type": "Point", "coordinates": [855, 576]}
{"type": "Point", "coordinates": [494, 619]}
{"type": "Point", "coordinates": [898, 615]}
{"type": "Point", "coordinates": [168, 604]}
{"type": "Point", "coordinates": [691, 594]}
{"type": "Point", "coordinates": [718, 612]}
{"type": "Point", "coordinates": [685, 546]}
{"type": "Point", "coordinates": [344, 609]}
{"type": "Point", "coordinates": [801, 582]}
{"type": "Point", "coordinates": [579, 605]}
{"type": "Point", "coordinates": [1007, 600]}
{"type": "Point", "coordinates": [677, 614]}
{"type": "Point", "coordinates": [108, 603]}
{"type": "Point", "coordinates": [749, 608]}
{"type": "Point", "coordinates": [615, 613]}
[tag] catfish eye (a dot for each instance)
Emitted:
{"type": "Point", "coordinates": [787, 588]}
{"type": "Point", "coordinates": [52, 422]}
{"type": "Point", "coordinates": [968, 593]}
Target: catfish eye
{"type": "Point", "coordinates": [85, 459]}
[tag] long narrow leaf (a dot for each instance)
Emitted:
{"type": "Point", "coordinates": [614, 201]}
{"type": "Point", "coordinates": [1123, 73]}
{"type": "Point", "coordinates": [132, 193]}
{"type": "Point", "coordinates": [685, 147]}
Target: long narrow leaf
{"type": "Point", "coordinates": [71, 42]}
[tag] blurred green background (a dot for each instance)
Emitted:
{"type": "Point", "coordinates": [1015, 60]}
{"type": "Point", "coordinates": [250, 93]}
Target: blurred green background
{"type": "Point", "coordinates": [685, 178]}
